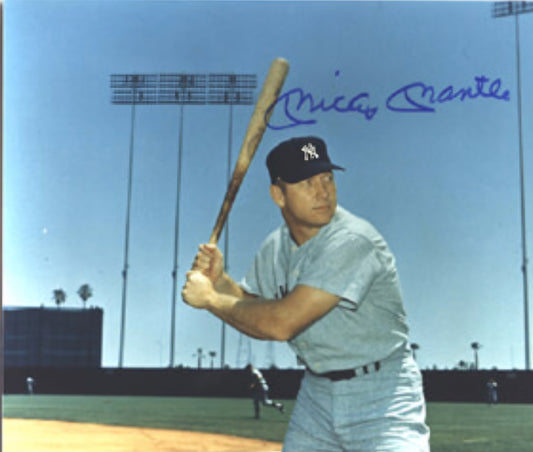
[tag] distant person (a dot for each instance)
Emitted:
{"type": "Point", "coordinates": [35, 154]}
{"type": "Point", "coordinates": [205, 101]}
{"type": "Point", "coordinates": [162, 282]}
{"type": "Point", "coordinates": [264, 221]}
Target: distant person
{"type": "Point", "coordinates": [492, 391]}
{"type": "Point", "coordinates": [259, 389]}
{"type": "Point", "coordinates": [30, 385]}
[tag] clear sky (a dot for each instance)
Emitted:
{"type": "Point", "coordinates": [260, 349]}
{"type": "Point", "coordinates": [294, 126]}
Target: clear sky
{"type": "Point", "coordinates": [442, 185]}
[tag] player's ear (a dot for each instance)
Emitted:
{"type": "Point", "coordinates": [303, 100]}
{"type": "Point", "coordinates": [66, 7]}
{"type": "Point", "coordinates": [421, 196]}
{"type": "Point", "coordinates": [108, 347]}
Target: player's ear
{"type": "Point", "coordinates": [277, 195]}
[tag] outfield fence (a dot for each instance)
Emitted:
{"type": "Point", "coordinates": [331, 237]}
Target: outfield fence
{"type": "Point", "coordinates": [514, 386]}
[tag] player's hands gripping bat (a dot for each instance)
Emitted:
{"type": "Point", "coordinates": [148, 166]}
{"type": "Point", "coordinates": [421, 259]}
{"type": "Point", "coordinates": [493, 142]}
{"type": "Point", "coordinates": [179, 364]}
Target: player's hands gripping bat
{"type": "Point", "coordinates": [209, 261]}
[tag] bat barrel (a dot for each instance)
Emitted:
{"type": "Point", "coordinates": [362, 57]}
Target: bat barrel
{"type": "Point", "coordinates": [256, 128]}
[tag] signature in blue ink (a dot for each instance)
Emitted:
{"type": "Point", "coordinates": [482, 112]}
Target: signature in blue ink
{"type": "Point", "coordinates": [299, 105]}
{"type": "Point", "coordinates": [419, 97]}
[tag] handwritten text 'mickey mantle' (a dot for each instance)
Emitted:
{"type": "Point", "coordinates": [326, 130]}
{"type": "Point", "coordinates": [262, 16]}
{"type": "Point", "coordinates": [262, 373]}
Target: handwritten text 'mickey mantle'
{"type": "Point", "coordinates": [300, 107]}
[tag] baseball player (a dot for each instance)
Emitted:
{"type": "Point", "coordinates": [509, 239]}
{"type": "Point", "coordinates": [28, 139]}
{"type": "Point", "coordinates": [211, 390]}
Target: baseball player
{"type": "Point", "coordinates": [492, 391]}
{"type": "Point", "coordinates": [30, 385]}
{"type": "Point", "coordinates": [260, 390]}
{"type": "Point", "coordinates": [326, 282]}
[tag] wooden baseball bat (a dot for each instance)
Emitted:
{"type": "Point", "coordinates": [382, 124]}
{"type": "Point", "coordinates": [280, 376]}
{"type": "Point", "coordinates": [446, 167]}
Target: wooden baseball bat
{"type": "Point", "coordinates": [256, 128]}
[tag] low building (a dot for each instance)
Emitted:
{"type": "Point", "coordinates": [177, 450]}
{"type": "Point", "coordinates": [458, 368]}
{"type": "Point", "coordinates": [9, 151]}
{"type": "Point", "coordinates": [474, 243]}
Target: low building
{"type": "Point", "coordinates": [52, 337]}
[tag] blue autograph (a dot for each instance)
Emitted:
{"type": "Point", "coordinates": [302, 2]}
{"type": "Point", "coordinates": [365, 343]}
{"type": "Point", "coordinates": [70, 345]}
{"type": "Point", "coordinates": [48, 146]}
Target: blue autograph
{"type": "Point", "coordinates": [300, 106]}
{"type": "Point", "coordinates": [418, 97]}
{"type": "Point", "coordinates": [303, 102]}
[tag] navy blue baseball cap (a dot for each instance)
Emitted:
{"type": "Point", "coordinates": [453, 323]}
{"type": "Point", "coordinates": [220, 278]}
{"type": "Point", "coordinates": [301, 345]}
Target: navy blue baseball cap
{"type": "Point", "coordinates": [298, 159]}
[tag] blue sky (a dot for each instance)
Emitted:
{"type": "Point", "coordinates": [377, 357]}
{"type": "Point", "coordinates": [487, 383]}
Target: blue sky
{"type": "Point", "coordinates": [442, 186]}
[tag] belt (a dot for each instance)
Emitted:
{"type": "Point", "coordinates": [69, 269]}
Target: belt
{"type": "Point", "coordinates": [337, 375]}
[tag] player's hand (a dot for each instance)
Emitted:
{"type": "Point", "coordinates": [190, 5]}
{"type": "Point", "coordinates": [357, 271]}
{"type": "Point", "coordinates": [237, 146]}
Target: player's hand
{"type": "Point", "coordinates": [198, 290]}
{"type": "Point", "coordinates": [209, 261]}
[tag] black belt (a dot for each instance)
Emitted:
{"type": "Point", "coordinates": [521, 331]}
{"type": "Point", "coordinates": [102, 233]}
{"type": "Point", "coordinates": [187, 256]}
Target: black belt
{"type": "Point", "coordinates": [336, 375]}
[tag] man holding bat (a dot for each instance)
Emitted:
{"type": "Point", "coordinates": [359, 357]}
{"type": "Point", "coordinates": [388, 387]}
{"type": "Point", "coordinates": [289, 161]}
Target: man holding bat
{"type": "Point", "coordinates": [326, 282]}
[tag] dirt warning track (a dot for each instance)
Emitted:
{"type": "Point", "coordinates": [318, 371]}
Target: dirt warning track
{"type": "Point", "coordinates": [23, 435]}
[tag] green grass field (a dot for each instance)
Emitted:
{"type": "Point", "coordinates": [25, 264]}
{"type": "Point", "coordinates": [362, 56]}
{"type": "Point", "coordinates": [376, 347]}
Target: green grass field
{"type": "Point", "coordinates": [454, 427]}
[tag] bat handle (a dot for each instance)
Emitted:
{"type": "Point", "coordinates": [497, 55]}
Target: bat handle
{"type": "Point", "coordinates": [219, 225]}
{"type": "Point", "coordinates": [215, 235]}
{"type": "Point", "coordinates": [222, 216]}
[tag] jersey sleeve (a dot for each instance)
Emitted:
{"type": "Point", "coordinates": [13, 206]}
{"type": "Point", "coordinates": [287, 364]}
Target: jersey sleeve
{"type": "Point", "coordinates": [250, 282]}
{"type": "Point", "coordinates": [344, 266]}
{"type": "Point", "coordinates": [260, 279]}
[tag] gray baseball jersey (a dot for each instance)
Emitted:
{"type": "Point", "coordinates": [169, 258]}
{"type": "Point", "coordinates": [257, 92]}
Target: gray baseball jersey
{"type": "Point", "coordinates": [347, 258]}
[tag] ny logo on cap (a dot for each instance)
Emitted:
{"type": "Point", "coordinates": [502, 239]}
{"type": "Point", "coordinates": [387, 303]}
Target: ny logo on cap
{"type": "Point", "coordinates": [309, 152]}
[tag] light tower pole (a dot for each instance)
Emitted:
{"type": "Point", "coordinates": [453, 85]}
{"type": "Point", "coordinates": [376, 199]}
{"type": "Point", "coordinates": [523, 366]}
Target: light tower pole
{"type": "Point", "coordinates": [130, 89]}
{"type": "Point", "coordinates": [181, 89]}
{"type": "Point", "coordinates": [230, 89]}
{"type": "Point", "coordinates": [504, 9]}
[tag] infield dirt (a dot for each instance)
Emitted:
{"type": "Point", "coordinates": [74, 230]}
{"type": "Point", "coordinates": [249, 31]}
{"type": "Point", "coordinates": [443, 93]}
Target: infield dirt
{"type": "Point", "coordinates": [23, 435]}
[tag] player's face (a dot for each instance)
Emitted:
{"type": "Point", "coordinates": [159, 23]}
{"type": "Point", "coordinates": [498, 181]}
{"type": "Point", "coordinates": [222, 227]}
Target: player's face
{"type": "Point", "coordinates": [307, 205]}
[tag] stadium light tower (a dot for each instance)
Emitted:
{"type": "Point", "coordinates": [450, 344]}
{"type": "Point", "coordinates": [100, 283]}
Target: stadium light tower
{"type": "Point", "coordinates": [230, 89]}
{"type": "Point", "coordinates": [181, 89]}
{"type": "Point", "coordinates": [130, 89]}
{"type": "Point", "coordinates": [174, 89]}
{"type": "Point", "coordinates": [504, 9]}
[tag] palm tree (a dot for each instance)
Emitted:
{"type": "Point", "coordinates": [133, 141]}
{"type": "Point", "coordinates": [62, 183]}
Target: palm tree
{"type": "Point", "coordinates": [476, 346]}
{"type": "Point", "coordinates": [212, 354]}
{"type": "Point", "coordinates": [59, 296]}
{"type": "Point", "coordinates": [85, 292]}
{"type": "Point", "coordinates": [414, 347]}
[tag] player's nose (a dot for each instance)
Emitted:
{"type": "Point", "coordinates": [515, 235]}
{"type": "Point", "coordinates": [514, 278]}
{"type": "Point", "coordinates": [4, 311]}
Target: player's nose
{"type": "Point", "coordinates": [321, 190]}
